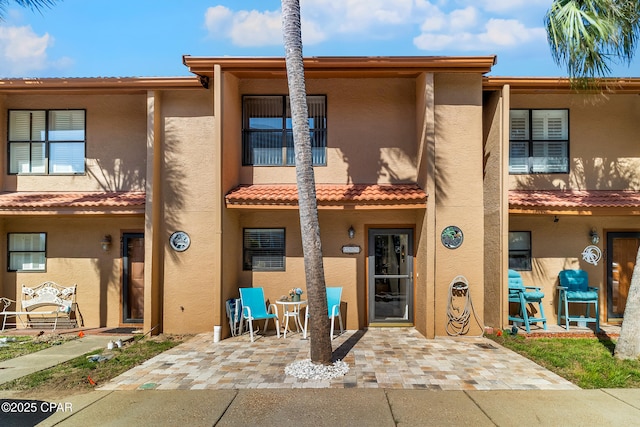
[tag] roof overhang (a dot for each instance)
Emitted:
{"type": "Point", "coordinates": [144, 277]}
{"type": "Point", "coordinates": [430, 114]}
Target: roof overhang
{"type": "Point", "coordinates": [557, 202]}
{"type": "Point", "coordinates": [108, 85]}
{"type": "Point", "coordinates": [348, 66]}
{"type": "Point", "coordinates": [72, 203]}
{"type": "Point", "coordinates": [359, 196]}
{"type": "Point", "coordinates": [557, 85]}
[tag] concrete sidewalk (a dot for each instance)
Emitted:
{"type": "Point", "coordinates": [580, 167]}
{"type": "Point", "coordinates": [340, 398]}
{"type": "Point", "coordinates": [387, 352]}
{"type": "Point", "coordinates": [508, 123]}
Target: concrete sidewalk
{"type": "Point", "coordinates": [331, 407]}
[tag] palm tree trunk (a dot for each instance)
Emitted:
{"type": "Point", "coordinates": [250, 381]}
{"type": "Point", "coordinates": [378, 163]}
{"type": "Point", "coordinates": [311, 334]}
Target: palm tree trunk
{"type": "Point", "coordinates": [628, 345]}
{"type": "Point", "coordinates": [309, 225]}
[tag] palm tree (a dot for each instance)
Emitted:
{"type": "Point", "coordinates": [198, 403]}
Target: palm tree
{"type": "Point", "coordinates": [309, 225]}
{"type": "Point", "coordinates": [29, 4]}
{"type": "Point", "coordinates": [586, 36]}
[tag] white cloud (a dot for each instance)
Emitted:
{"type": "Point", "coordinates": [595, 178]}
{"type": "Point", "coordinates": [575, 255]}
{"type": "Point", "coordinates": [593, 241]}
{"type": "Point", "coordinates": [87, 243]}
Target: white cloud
{"type": "Point", "coordinates": [255, 28]}
{"type": "Point", "coordinates": [497, 33]}
{"type": "Point", "coordinates": [22, 52]}
{"type": "Point", "coordinates": [505, 6]}
{"type": "Point", "coordinates": [474, 25]}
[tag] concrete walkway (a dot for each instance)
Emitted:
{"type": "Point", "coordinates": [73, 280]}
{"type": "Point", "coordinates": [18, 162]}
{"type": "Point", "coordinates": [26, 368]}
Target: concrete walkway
{"type": "Point", "coordinates": [331, 407]}
{"type": "Point", "coordinates": [52, 356]}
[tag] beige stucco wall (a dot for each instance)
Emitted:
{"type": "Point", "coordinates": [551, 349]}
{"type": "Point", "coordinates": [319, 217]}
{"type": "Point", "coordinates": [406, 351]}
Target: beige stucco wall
{"type": "Point", "coordinates": [189, 194]}
{"type": "Point", "coordinates": [115, 143]}
{"type": "Point", "coordinates": [559, 245]}
{"type": "Point", "coordinates": [75, 256]}
{"type": "Point", "coordinates": [458, 190]}
{"type": "Point", "coordinates": [496, 221]}
{"type": "Point", "coordinates": [603, 142]}
{"type": "Point", "coordinates": [346, 270]}
{"type": "Point", "coordinates": [370, 131]}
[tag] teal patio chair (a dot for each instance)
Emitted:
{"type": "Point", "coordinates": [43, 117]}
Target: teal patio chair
{"type": "Point", "coordinates": [254, 307]}
{"type": "Point", "coordinates": [574, 289]}
{"type": "Point", "coordinates": [525, 296]}
{"type": "Point", "coordinates": [334, 294]}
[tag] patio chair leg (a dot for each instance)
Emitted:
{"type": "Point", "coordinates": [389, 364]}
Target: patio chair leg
{"type": "Point", "coordinates": [306, 325]}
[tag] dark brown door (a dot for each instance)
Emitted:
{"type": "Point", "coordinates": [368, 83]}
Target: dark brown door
{"type": "Point", "coordinates": [133, 278]}
{"type": "Point", "coordinates": [622, 248]}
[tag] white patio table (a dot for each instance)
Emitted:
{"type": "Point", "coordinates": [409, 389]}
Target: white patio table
{"type": "Point", "coordinates": [292, 310]}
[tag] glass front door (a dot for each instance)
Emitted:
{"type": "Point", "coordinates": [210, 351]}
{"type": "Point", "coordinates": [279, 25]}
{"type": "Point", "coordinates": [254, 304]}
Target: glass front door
{"type": "Point", "coordinates": [390, 275]}
{"type": "Point", "coordinates": [622, 248]}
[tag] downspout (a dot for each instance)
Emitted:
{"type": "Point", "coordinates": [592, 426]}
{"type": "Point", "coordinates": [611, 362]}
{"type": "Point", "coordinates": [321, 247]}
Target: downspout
{"type": "Point", "coordinates": [154, 244]}
{"type": "Point", "coordinates": [504, 203]}
{"type": "Point", "coordinates": [218, 311]}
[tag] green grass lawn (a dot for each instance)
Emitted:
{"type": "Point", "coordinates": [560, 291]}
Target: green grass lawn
{"type": "Point", "coordinates": [586, 362]}
{"type": "Point", "coordinates": [11, 346]}
{"type": "Point", "coordinates": [82, 374]}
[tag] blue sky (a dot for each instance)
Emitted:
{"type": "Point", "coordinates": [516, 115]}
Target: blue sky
{"type": "Point", "coordinates": [121, 38]}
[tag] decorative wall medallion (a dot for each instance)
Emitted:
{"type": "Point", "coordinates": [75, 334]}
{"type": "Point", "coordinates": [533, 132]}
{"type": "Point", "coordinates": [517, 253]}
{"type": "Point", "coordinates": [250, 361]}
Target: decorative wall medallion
{"type": "Point", "coordinates": [180, 241]}
{"type": "Point", "coordinates": [592, 254]}
{"type": "Point", "coordinates": [451, 237]}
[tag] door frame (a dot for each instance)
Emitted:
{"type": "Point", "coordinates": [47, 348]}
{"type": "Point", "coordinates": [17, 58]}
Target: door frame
{"type": "Point", "coordinates": [609, 269]}
{"type": "Point", "coordinates": [126, 236]}
{"type": "Point", "coordinates": [389, 229]}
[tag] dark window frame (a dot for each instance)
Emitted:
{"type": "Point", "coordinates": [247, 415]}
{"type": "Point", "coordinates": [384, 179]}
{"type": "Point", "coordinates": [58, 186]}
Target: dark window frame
{"type": "Point", "coordinates": [531, 142]}
{"type": "Point", "coordinates": [272, 250]}
{"type": "Point", "coordinates": [520, 259]}
{"type": "Point", "coordinates": [284, 133]}
{"type": "Point", "coordinates": [47, 142]}
{"type": "Point", "coordinates": [11, 251]}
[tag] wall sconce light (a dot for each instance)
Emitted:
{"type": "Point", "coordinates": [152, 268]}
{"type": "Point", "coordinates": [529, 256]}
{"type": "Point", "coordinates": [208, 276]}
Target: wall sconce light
{"type": "Point", "coordinates": [106, 242]}
{"type": "Point", "coordinates": [352, 232]}
{"type": "Point", "coordinates": [555, 218]}
{"type": "Point", "coordinates": [593, 236]}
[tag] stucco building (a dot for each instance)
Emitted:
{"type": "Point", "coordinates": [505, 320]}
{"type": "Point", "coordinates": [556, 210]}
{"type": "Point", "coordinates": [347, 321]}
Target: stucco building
{"type": "Point", "coordinates": [426, 168]}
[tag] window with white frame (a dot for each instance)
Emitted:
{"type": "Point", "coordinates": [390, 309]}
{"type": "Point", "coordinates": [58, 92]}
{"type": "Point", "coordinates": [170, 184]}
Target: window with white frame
{"type": "Point", "coordinates": [46, 141]}
{"type": "Point", "coordinates": [27, 251]}
{"type": "Point", "coordinates": [263, 249]}
{"type": "Point", "coordinates": [267, 134]}
{"type": "Point", "coordinates": [520, 250]}
{"type": "Point", "coordinates": [539, 141]}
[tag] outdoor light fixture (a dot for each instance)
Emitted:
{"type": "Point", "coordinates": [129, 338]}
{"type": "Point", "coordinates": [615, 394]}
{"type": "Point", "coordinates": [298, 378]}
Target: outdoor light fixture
{"type": "Point", "coordinates": [593, 236]}
{"type": "Point", "coordinates": [352, 232]}
{"type": "Point", "coordinates": [555, 218]}
{"type": "Point", "coordinates": [106, 242]}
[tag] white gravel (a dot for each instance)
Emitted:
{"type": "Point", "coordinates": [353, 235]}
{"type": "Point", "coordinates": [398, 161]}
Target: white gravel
{"type": "Point", "coordinates": [306, 369]}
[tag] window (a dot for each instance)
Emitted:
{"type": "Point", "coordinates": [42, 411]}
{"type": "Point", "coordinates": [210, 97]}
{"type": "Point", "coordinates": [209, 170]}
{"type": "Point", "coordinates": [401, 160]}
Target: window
{"type": "Point", "coordinates": [27, 251]}
{"type": "Point", "coordinates": [520, 250]}
{"type": "Point", "coordinates": [46, 142]}
{"type": "Point", "coordinates": [263, 249]}
{"type": "Point", "coordinates": [539, 141]}
{"type": "Point", "coordinates": [267, 135]}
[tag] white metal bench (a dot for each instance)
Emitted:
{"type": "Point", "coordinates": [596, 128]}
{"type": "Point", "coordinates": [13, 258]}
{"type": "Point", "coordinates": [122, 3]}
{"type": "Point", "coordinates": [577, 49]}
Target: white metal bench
{"type": "Point", "coordinates": [44, 305]}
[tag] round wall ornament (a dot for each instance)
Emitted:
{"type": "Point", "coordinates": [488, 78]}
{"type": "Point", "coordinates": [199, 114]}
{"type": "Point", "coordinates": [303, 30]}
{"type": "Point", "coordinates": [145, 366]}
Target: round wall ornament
{"type": "Point", "coordinates": [180, 241]}
{"type": "Point", "coordinates": [452, 237]}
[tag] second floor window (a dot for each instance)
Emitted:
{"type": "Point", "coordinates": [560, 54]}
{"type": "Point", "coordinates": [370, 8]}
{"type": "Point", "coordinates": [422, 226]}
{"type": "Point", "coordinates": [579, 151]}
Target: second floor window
{"type": "Point", "coordinates": [46, 141]}
{"type": "Point", "coordinates": [267, 134]}
{"type": "Point", "coordinates": [539, 141]}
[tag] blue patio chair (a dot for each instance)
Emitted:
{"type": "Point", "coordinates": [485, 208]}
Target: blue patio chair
{"type": "Point", "coordinates": [254, 307]}
{"type": "Point", "coordinates": [574, 289]}
{"type": "Point", "coordinates": [525, 296]}
{"type": "Point", "coordinates": [334, 294]}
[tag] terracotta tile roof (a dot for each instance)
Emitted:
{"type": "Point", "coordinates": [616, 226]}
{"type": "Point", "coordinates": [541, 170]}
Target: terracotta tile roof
{"type": "Point", "coordinates": [78, 200]}
{"type": "Point", "coordinates": [574, 199]}
{"type": "Point", "coordinates": [409, 195]}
